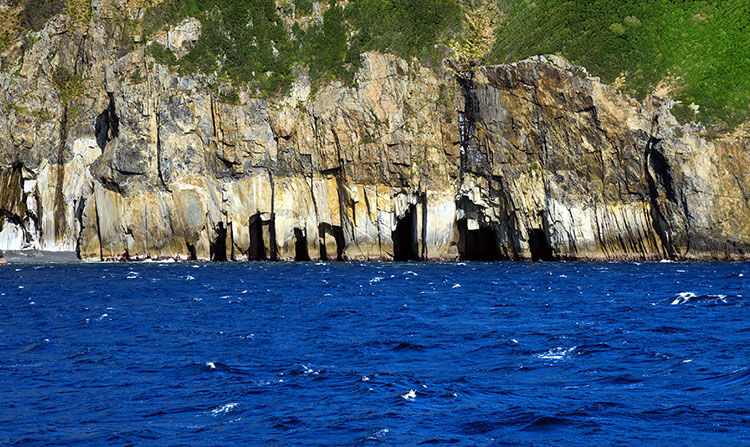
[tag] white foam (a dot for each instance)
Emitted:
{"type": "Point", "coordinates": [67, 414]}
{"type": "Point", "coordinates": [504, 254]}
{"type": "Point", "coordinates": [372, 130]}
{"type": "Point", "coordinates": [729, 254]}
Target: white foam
{"type": "Point", "coordinates": [20, 287]}
{"type": "Point", "coordinates": [456, 286]}
{"type": "Point", "coordinates": [558, 353]}
{"type": "Point", "coordinates": [189, 278]}
{"type": "Point", "coordinates": [211, 365]}
{"type": "Point", "coordinates": [379, 434]}
{"type": "Point", "coordinates": [667, 261]}
{"type": "Point", "coordinates": [683, 297]}
{"type": "Point", "coordinates": [376, 279]}
{"type": "Point", "coordinates": [226, 408]}
{"type": "Point", "coordinates": [365, 379]}
{"type": "Point", "coordinates": [513, 340]}
{"type": "Point", "coordinates": [308, 370]}
{"type": "Point", "coordinates": [410, 396]}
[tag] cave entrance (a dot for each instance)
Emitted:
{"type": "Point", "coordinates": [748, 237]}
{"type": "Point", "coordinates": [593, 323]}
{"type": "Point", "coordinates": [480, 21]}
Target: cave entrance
{"type": "Point", "coordinates": [300, 246]}
{"type": "Point", "coordinates": [477, 245]}
{"type": "Point", "coordinates": [539, 246]}
{"type": "Point", "coordinates": [405, 237]}
{"type": "Point", "coordinates": [257, 250]}
{"type": "Point", "coordinates": [219, 246]}
{"type": "Point", "coordinates": [331, 238]}
{"type": "Point", "coordinates": [192, 256]}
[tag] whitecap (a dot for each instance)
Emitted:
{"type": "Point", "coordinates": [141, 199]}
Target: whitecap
{"type": "Point", "coordinates": [211, 365]}
{"type": "Point", "coordinates": [410, 273]}
{"type": "Point", "coordinates": [410, 396]}
{"type": "Point", "coordinates": [683, 297]}
{"type": "Point", "coordinates": [376, 279]}
{"type": "Point", "coordinates": [513, 340]}
{"type": "Point", "coordinates": [456, 286]}
{"type": "Point", "coordinates": [226, 408]}
{"type": "Point", "coordinates": [189, 278]}
{"type": "Point", "coordinates": [20, 287]}
{"type": "Point", "coordinates": [365, 379]}
{"type": "Point", "coordinates": [667, 261]}
{"type": "Point", "coordinates": [379, 434]}
{"type": "Point", "coordinates": [308, 370]}
{"type": "Point", "coordinates": [558, 353]}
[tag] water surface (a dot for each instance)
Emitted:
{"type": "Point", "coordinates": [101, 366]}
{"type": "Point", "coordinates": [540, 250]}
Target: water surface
{"type": "Point", "coordinates": [375, 354]}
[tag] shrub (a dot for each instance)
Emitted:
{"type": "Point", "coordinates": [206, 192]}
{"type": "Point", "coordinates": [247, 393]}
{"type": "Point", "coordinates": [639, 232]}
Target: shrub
{"type": "Point", "coordinates": [617, 28]}
{"type": "Point", "coordinates": [35, 13]}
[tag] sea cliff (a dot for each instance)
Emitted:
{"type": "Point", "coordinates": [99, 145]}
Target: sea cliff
{"type": "Point", "coordinates": [118, 157]}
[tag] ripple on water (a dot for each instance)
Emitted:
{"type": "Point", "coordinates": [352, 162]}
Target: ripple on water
{"type": "Point", "coordinates": [376, 353]}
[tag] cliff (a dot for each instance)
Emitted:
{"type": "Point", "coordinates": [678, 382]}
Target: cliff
{"type": "Point", "coordinates": [111, 154]}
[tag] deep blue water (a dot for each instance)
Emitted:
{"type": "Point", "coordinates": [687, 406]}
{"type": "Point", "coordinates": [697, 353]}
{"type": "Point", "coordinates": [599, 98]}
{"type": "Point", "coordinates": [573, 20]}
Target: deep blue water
{"type": "Point", "coordinates": [375, 354]}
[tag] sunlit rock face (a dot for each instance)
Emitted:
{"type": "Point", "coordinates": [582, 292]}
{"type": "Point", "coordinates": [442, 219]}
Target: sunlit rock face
{"type": "Point", "coordinates": [532, 160]}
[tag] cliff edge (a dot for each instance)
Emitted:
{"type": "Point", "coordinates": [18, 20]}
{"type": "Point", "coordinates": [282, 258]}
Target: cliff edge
{"type": "Point", "coordinates": [116, 156]}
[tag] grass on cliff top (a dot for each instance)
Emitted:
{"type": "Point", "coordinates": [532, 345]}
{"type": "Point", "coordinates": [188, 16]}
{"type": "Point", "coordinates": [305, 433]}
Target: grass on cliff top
{"type": "Point", "coordinates": [247, 42]}
{"type": "Point", "coordinates": [698, 49]}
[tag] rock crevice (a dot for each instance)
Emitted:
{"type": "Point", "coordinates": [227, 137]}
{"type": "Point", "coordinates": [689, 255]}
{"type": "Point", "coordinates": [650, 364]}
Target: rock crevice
{"type": "Point", "coordinates": [531, 160]}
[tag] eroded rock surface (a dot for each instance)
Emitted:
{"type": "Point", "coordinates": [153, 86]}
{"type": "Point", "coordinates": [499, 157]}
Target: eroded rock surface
{"type": "Point", "coordinates": [532, 160]}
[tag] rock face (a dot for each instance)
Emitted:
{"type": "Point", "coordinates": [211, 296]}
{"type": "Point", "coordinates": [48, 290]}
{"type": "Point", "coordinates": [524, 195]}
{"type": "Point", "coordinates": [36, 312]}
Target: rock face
{"type": "Point", "coordinates": [110, 154]}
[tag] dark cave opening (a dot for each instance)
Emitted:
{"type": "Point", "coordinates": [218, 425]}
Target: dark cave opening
{"type": "Point", "coordinates": [539, 246]}
{"type": "Point", "coordinates": [326, 231]}
{"type": "Point", "coordinates": [405, 237]}
{"type": "Point", "coordinates": [477, 245]}
{"type": "Point", "coordinates": [192, 256]}
{"type": "Point", "coordinates": [257, 250]}
{"type": "Point", "coordinates": [300, 246]}
{"type": "Point", "coordinates": [219, 246]}
{"type": "Point", "coordinates": [107, 124]}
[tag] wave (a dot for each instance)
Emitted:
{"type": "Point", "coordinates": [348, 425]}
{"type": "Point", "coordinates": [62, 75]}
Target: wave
{"type": "Point", "coordinates": [706, 299]}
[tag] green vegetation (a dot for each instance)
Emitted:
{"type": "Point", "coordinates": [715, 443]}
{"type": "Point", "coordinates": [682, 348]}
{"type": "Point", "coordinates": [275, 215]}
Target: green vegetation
{"type": "Point", "coordinates": [698, 49]}
{"type": "Point", "coordinates": [303, 7]}
{"type": "Point", "coordinates": [247, 42]}
{"type": "Point", "coordinates": [69, 86]}
{"type": "Point", "coordinates": [408, 28]}
{"type": "Point", "coordinates": [35, 13]}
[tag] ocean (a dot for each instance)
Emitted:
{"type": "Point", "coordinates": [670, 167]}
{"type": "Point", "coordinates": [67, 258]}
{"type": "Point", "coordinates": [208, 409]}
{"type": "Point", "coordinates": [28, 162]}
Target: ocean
{"type": "Point", "coordinates": [375, 354]}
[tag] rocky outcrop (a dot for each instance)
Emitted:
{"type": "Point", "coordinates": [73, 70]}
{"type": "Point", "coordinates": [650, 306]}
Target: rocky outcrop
{"type": "Point", "coordinates": [107, 152]}
{"type": "Point", "coordinates": [2, 259]}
